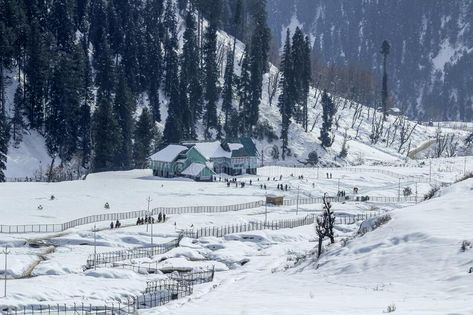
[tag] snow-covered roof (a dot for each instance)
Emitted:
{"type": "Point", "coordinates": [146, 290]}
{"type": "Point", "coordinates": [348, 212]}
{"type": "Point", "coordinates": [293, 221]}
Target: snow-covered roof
{"type": "Point", "coordinates": [194, 169]}
{"type": "Point", "coordinates": [235, 146]}
{"type": "Point", "coordinates": [169, 153]}
{"type": "Point", "coordinates": [212, 150]}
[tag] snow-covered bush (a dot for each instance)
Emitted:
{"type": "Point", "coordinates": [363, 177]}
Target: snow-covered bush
{"type": "Point", "coordinates": [466, 245]}
{"type": "Point", "coordinates": [390, 309]}
{"type": "Point", "coordinates": [373, 223]}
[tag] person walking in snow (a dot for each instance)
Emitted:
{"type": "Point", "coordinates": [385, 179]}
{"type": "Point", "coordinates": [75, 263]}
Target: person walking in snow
{"type": "Point", "coordinates": [111, 225]}
{"type": "Point", "coordinates": [164, 217]}
{"type": "Point", "coordinates": [160, 217]}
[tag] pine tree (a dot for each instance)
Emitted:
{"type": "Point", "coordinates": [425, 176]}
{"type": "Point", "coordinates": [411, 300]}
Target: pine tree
{"type": "Point", "coordinates": [191, 88]}
{"type": "Point", "coordinates": [61, 24]}
{"type": "Point", "coordinates": [153, 32]}
{"type": "Point", "coordinates": [84, 144]}
{"type": "Point", "coordinates": [329, 110]}
{"type": "Point", "coordinates": [17, 123]}
{"type": "Point", "coordinates": [144, 134]}
{"type": "Point", "coordinates": [36, 69]}
{"type": "Point", "coordinates": [63, 108]}
{"type": "Point", "coordinates": [170, 47]}
{"type": "Point", "coordinates": [211, 76]}
{"type": "Point", "coordinates": [306, 79]}
{"type": "Point", "coordinates": [244, 90]}
{"type": "Point", "coordinates": [385, 47]}
{"type": "Point", "coordinates": [173, 128]}
{"type": "Point", "coordinates": [259, 49]}
{"type": "Point", "coordinates": [286, 98]}
{"type": "Point", "coordinates": [301, 58]}
{"type": "Point", "coordinates": [124, 107]}
{"type": "Point", "coordinates": [106, 133]}
{"type": "Point", "coordinates": [4, 139]}
{"type": "Point", "coordinates": [227, 93]}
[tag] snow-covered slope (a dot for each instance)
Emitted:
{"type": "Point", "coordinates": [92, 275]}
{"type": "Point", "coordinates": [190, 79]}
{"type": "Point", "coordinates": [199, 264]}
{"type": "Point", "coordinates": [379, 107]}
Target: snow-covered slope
{"type": "Point", "coordinates": [414, 264]}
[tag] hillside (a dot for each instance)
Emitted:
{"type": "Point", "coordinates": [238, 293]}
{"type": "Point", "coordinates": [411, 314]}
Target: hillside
{"type": "Point", "coordinates": [356, 119]}
{"type": "Point", "coordinates": [431, 47]}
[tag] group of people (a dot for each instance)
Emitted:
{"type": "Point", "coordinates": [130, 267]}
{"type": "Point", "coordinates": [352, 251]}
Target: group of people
{"type": "Point", "coordinates": [341, 193]}
{"type": "Point", "coordinates": [150, 219]}
{"type": "Point", "coordinates": [282, 187]}
{"type": "Point", "coordinates": [329, 175]}
{"type": "Point", "coordinates": [237, 183]}
{"type": "Point", "coordinates": [116, 226]}
{"type": "Point", "coordinates": [147, 219]}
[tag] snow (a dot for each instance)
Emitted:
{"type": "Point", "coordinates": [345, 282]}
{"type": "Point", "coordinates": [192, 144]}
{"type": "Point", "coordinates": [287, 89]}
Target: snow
{"type": "Point", "coordinates": [29, 158]}
{"type": "Point", "coordinates": [212, 150]}
{"type": "Point", "coordinates": [193, 170]}
{"type": "Point", "coordinates": [413, 262]}
{"type": "Point", "coordinates": [169, 153]}
{"type": "Point", "coordinates": [254, 270]}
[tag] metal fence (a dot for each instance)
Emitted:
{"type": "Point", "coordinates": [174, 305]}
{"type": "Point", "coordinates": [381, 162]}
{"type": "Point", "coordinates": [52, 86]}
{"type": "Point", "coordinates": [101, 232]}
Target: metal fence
{"type": "Point", "coordinates": [100, 259]}
{"type": "Point", "coordinates": [127, 307]}
{"type": "Point", "coordinates": [190, 278]}
{"type": "Point", "coordinates": [55, 228]}
{"type": "Point", "coordinates": [220, 231]}
{"type": "Point", "coordinates": [165, 291]}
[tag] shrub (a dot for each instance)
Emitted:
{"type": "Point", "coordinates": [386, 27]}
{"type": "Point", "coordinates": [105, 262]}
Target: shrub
{"type": "Point", "coordinates": [407, 191]}
{"type": "Point", "coordinates": [465, 177]}
{"type": "Point", "coordinates": [313, 158]}
{"type": "Point", "coordinates": [264, 131]}
{"type": "Point", "coordinates": [466, 245]}
{"type": "Point", "coordinates": [431, 193]}
{"type": "Point", "coordinates": [275, 152]}
{"type": "Point", "coordinates": [390, 309]}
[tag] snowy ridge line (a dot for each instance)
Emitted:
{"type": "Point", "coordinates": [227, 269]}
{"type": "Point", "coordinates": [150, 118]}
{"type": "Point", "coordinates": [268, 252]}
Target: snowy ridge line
{"type": "Point", "coordinates": [95, 260]}
{"type": "Point", "coordinates": [55, 228]}
{"type": "Point", "coordinates": [221, 231]}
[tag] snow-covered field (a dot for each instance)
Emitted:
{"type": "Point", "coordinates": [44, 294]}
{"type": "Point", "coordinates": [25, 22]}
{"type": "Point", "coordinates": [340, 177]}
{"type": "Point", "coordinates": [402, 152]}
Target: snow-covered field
{"type": "Point", "coordinates": [413, 262]}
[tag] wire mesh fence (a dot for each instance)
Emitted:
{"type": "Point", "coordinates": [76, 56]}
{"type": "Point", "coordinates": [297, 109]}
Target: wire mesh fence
{"type": "Point", "coordinates": [221, 231]}
{"type": "Point", "coordinates": [106, 258]}
{"type": "Point", "coordinates": [190, 278]}
{"type": "Point", "coordinates": [164, 292]}
{"type": "Point", "coordinates": [54, 228]}
{"type": "Point", "coordinates": [118, 308]}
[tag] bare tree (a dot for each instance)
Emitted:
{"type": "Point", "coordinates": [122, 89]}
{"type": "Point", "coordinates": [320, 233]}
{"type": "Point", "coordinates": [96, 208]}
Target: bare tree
{"type": "Point", "coordinates": [356, 114]}
{"type": "Point", "coordinates": [357, 129]}
{"type": "Point", "coordinates": [325, 224]}
{"type": "Point", "coordinates": [452, 145]}
{"type": "Point", "coordinates": [406, 129]}
{"type": "Point", "coordinates": [441, 142]}
{"type": "Point", "coordinates": [315, 121]}
{"type": "Point", "coordinates": [377, 125]}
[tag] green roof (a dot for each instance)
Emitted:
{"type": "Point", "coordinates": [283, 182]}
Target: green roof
{"type": "Point", "coordinates": [249, 146]}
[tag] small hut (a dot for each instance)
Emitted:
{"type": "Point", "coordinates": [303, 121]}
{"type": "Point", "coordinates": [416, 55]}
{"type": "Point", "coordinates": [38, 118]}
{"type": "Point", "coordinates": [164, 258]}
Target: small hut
{"type": "Point", "coordinates": [275, 200]}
